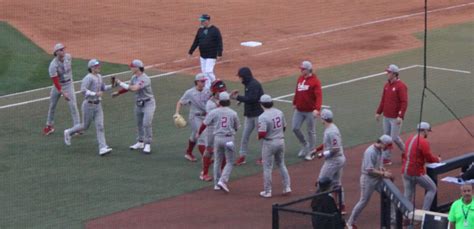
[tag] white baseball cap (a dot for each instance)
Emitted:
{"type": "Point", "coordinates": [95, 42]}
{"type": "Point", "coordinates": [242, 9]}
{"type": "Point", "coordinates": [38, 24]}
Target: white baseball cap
{"type": "Point", "coordinates": [424, 126]}
{"type": "Point", "coordinates": [326, 114]}
{"type": "Point", "coordinates": [306, 65]}
{"type": "Point", "coordinates": [266, 98]}
{"type": "Point", "coordinates": [200, 77]}
{"type": "Point", "coordinates": [92, 63]}
{"type": "Point", "coordinates": [386, 139]}
{"type": "Point", "coordinates": [223, 96]}
{"type": "Point", "coordinates": [136, 64]}
{"type": "Point", "coordinates": [57, 47]}
{"type": "Point", "coordinates": [392, 68]}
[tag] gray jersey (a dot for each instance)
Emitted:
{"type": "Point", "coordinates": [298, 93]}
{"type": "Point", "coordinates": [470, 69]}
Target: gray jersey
{"type": "Point", "coordinates": [272, 121]}
{"type": "Point", "coordinates": [93, 83]}
{"type": "Point", "coordinates": [224, 120]}
{"type": "Point", "coordinates": [61, 69]}
{"type": "Point", "coordinates": [196, 99]}
{"type": "Point", "coordinates": [332, 139]}
{"type": "Point", "coordinates": [211, 105]}
{"type": "Point", "coordinates": [144, 82]}
{"type": "Point", "coordinates": [372, 159]}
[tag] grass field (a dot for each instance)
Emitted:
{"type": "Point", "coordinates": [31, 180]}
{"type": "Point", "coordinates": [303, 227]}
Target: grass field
{"type": "Point", "coordinates": [24, 66]}
{"type": "Point", "coordinates": [48, 185]}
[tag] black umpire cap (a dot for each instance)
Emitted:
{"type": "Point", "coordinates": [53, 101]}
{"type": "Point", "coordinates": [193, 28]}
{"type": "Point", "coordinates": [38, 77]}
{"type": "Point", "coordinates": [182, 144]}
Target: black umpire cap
{"type": "Point", "coordinates": [205, 17]}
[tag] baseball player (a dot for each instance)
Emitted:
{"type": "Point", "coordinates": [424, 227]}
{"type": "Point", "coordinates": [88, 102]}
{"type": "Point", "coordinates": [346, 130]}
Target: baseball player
{"type": "Point", "coordinates": [372, 175]}
{"type": "Point", "coordinates": [60, 71]}
{"type": "Point", "coordinates": [393, 106]}
{"type": "Point", "coordinates": [414, 158]}
{"type": "Point", "coordinates": [271, 127]}
{"type": "Point", "coordinates": [217, 87]}
{"type": "Point", "coordinates": [92, 88]}
{"type": "Point", "coordinates": [145, 105]}
{"type": "Point", "coordinates": [209, 40]}
{"type": "Point", "coordinates": [196, 97]}
{"type": "Point", "coordinates": [307, 103]}
{"type": "Point", "coordinates": [226, 123]}
{"type": "Point", "coordinates": [334, 158]}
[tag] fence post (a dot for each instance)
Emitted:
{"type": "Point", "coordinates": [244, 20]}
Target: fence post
{"type": "Point", "coordinates": [275, 217]}
{"type": "Point", "coordinates": [385, 210]}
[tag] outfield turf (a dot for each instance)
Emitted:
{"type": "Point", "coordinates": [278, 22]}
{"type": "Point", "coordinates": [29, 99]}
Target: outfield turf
{"type": "Point", "coordinates": [48, 185]}
{"type": "Point", "coordinates": [24, 66]}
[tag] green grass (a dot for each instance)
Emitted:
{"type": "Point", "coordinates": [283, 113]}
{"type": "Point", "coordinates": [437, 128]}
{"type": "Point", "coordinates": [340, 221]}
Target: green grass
{"type": "Point", "coordinates": [48, 185]}
{"type": "Point", "coordinates": [24, 66]}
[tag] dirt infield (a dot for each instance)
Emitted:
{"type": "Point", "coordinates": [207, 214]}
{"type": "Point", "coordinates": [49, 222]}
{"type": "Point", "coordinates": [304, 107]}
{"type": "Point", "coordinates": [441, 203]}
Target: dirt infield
{"type": "Point", "coordinates": [161, 32]}
{"type": "Point", "coordinates": [243, 208]}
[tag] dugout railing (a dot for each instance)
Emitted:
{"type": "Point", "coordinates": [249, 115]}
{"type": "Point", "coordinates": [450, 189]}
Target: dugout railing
{"type": "Point", "coordinates": [300, 208]}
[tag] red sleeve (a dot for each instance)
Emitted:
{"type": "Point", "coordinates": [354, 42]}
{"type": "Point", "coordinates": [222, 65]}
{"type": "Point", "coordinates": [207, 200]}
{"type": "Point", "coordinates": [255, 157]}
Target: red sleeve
{"type": "Point", "coordinates": [56, 83]}
{"type": "Point", "coordinates": [319, 94]}
{"type": "Point", "coordinates": [403, 97]}
{"type": "Point", "coordinates": [262, 134]}
{"type": "Point", "coordinates": [381, 104]}
{"type": "Point", "coordinates": [122, 91]}
{"type": "Point", "coordinates": [202, 128]}
{"type": "Point", "coordinates": [425, 149]}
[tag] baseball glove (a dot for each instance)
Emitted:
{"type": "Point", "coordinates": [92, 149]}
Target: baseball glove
{"type": "Point", "coordinates": [179, 121]}
{"type": "Point", "coordinates": [113, 82]}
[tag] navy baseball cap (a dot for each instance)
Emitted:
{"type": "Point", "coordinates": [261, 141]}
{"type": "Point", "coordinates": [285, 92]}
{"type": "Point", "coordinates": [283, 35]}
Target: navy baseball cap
{"type": "Point", "coordinates": [205, 17]}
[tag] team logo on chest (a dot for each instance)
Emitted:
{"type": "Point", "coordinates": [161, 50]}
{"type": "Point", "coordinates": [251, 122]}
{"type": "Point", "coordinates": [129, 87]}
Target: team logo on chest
{"type": "Point", "coordinates": [394, 89]}
{"type": "Point", "coordinates": [302, 86]}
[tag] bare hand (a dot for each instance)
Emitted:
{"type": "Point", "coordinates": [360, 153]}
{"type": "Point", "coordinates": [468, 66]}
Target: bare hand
{"type": "Point", "coordinates": [316, 113]}
{"type": "Point", "coordinates": [118, 81]}
{"type": "Point", "coordinates": [399, 121]}
{"type": "Point", "coordinates": [234, 94]}
{"type": "Point", "coordinates": [377, 117]}
{"type": "Point", "coordinates": [190, 56]}
{"type": "Point", "coordinates": [99, 93]}
{"type": "Point", "coordinates": [115, 94]}
{"type": "Point", "coordinates": [66, 97]}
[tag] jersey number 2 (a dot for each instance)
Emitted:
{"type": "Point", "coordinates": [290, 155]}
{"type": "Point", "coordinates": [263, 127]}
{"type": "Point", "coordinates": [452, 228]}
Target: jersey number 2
{"type": "Point", "coordinates": [224, 122]}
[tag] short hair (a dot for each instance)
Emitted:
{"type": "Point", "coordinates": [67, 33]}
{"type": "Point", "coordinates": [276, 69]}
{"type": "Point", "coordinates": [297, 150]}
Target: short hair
{"type": "Point", "coordinates": [267, 104]}
{"type": "Point", "coordinates": [142, 69]}
{"type": "Point", "coordinates": [328, 120]}
{"type": "Point", "coordinates": [224, 103]}
{"type": "Point", "coordinates": [89, 70]}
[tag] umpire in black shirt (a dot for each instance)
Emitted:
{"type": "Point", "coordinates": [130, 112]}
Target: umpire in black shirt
{"type": "Point", "coordinates": [209, 40]}
{"type": "Point", "coordinates": [252, 109]}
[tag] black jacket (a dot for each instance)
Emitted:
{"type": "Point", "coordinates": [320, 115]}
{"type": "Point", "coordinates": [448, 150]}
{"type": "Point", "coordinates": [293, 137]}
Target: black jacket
{"type": "Point", "coordinates": [209, 41]}
{"type": "Point", "coordinates": [469, 173]}
{"type": "Point", "coordinates": [326, 204]}
{"type": "Point", "coordinates": [253, 92]}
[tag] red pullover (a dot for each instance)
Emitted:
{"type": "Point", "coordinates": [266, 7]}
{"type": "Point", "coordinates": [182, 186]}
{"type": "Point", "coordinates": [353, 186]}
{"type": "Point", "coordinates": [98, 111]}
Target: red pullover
{"type": "Point", "coordinates": [413, 160]}
{"type": "Point", "coordinates": [308, 94]}
{"type": "Point", "coordinates": [394, 100]}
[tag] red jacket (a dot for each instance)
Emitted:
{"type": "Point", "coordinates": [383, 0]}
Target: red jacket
{"type": "Point", "coordinates": [413, 160]}
{"type": "Point", "coordinates": [394, 100]}
{"type": "Point", "coordinates": [308, 94]}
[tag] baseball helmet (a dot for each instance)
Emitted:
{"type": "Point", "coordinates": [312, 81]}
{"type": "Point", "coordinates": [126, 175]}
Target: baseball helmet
{"type": "Point", "coordinates": [218, 86]}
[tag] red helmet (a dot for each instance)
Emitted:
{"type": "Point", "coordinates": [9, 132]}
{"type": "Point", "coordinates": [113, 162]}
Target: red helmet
{"type": "Point", "coordinates": [218, 86]}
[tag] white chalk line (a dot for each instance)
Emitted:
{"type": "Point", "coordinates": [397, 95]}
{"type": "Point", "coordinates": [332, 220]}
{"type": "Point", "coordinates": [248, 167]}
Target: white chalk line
{"type": "Point", "coordinates": [285, 39]}
{"type": "Point", "coordinates": [281, 98]}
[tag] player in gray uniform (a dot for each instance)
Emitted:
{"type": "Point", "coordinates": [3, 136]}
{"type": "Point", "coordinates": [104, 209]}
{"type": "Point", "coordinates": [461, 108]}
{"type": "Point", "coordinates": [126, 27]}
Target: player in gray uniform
{"type": "Point", "coordinates": [196, 97]}
{"type": "Point", "coordinates": [334, 158]}
{"type": "Point", "coordinates": [217, 87]}
{"type": "Point", "coordinates": [145, 105]}
{"type": "Point", "coordinates": [60, 71]}
{"type": "Point", "coordinates": [92, 87]}
{"type": "Point", "coordinates": [226, 123]}
{"type": "Point", "coordinates": [271, 127]}
{"type": "Point", "coordinates": [372, 175]}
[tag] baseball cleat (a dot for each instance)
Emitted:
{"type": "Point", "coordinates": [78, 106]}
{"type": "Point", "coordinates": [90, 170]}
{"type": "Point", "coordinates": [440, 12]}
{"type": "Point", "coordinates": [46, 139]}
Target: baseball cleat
{"type": "Point", "coordinates": [147, 149]}
{"type": "Point", "coordinates": [104, 151]}
{"type": "Point", "coordinates": [240, 161]}
{"type": "Point", "coordinates": [48, 130]}
{"type": "Point", "coordinates": [302, 153]}
{"type": "Point", "coordinates": [138, 145]}
{"type": "Point", "coordinates": [190, 157]}
{"type": "Point", "coordinates": [265, 194]}
{"type": "Point", "coordinates": [217, 188]}
{"type": "Point", "coordinates": [287, 191]}
{"type": "Point", "coordinates": [309, 157]}
{"type": "Point", "coordinates": [205, 177]}
{"type": "Point", "coordinates": [223, 186]}
{"type": "Point", "coordinates": [67, 137]}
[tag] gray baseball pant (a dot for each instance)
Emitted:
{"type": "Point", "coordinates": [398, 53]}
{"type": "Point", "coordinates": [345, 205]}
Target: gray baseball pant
{"type": "Point", "coordinates": [249, 125]}
{"type": "Point", "coordinates": [333, 168]}
{"type": "Point", "coordinates": [92, 112]}
{"type": "Point", "coordinates": [274, 149]}
{"type": "Point", "coordinates": [424, 181]}
{"type": "Point", "coordinates": [196, 122]}
{"type": "Point", "coordinates": [223, 148]}
{"type": "Point", "coordinates": [298, 119]}
{"type": "Point", "coordinates": [144, 118]}
{"type": "Point", "coordinates": [391, 128]}
{"type": "Point", "coordinates": [53, 101]}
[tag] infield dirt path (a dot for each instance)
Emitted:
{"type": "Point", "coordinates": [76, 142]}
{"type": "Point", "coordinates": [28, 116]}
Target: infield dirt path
{"type": "Point", "coordinates": [160, 32]}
